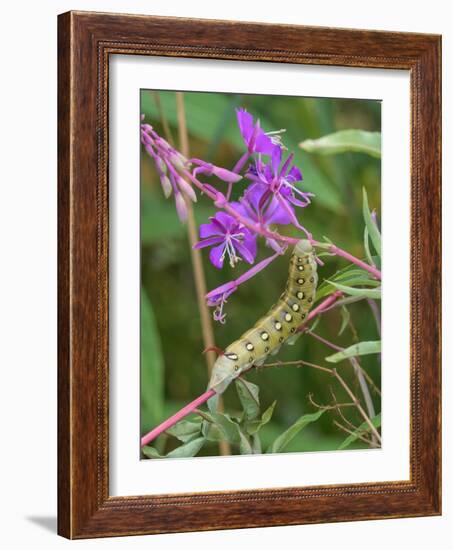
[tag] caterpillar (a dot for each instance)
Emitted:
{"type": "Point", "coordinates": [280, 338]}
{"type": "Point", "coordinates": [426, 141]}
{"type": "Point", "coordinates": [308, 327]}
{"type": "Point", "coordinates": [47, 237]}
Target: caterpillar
{"type": "Point", "coordinates": [277, 327]}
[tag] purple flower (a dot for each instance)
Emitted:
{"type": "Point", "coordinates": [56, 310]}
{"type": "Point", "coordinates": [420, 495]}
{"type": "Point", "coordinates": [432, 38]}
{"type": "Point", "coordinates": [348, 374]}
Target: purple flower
{"type": "Point", "coordinates": [261, 207]}
{"type": "Point", "coordinates": [228, 238]}
{"type": "Point", "coordinates": [253, 135]}
{"type": "Point", "coordinates": [280, 181]}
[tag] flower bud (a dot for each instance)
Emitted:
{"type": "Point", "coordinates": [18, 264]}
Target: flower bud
{"type": "Point", "coordinates": [187, 189]}
{"type": "Point", "coordinates": [181, 207]}
{"type": "Point", "coordinates": [166, 185]}
{"type": "Point", "coordinates": [226, 175]}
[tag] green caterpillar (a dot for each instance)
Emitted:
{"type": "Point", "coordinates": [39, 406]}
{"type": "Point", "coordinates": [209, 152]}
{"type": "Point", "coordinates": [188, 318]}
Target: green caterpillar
{"type": "Point", "coordinates": [275, 328]}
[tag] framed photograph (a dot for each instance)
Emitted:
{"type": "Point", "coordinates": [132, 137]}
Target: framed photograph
{"type": "Point", "coordinates": [249, 275]}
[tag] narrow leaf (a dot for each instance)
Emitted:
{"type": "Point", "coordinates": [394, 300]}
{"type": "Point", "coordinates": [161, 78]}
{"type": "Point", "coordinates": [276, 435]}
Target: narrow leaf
{"type": "Point", "coordinates": [248, 394]}
{"type": "Point", "coordinates": [256, 425]}
{"type": "Point", "coordinates": [151, 452]}
{"type": "Point", "coordinates": [345, 141]}
{"type": "Point", "coordinates": [213, 403]}
{"type": "Point", "coordinates": [373, 230]}
{"type": "Point", "coordinates": [229, 428]}
{"type": "Point", "coordinates": [256, 444]}
{"type": "Point", "coordinates": [282, 440]}
{"type": "Point", "coordinates": [364, 292]}
{"type": "Point", "coordinates": [185, 430]}
{"type": "Point", "coordinates": [362, 429]}
{"type": "Point", "coordinates": [345, 316]}
{"type": "Point", "coordinates": [366, 244]}
{"type": "Point", "coordinates": [362, 348]}
{"type": "Point", "coordinates": [188, 449]}
{"type": "Point", "coordinates": [244, 446]}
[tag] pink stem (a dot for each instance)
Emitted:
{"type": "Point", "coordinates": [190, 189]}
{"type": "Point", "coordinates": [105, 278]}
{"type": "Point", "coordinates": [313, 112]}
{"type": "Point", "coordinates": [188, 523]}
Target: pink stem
{"type": "Point", "coordinates": [177, 417]}
{"type": "Point", "coordinates": [340, 252]}
{"type": "Point", "coordinates": [320, 308]}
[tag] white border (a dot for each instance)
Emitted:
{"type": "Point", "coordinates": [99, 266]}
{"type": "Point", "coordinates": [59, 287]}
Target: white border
{"type": "Point", "coordinates": [128, 474]}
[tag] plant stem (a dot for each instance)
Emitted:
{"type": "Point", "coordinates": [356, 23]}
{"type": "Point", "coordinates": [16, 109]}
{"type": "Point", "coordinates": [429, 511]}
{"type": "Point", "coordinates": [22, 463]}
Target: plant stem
{"type": "Point", "coordinates": [197, 263]}
{"type": "Point", "coordinates": [177, 417]}
{"type": "Point", "coordinates": [340, 252]}
{"type": "Point", "coordinates": [320, 308]}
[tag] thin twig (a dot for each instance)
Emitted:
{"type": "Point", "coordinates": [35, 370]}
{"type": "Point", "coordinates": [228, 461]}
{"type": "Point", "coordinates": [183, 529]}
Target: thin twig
{"type": "Point", "coordinates": [358, 405]}
{"type": "Point", "coordinates": [359, 436]}
{"type": "Point", "coordinates": [357, 364]}
{"type": "Point", "coordinates": [328, 407]}
{"type": "Point", "coordinates": [197, 264]}
{"type": "Point", "coordinates": [332, 372]}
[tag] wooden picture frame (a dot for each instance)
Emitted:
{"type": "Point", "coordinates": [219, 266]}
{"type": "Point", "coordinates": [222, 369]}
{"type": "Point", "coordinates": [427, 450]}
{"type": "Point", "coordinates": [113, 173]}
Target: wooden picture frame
{"type": "Point", "coordinates": [85, 41]}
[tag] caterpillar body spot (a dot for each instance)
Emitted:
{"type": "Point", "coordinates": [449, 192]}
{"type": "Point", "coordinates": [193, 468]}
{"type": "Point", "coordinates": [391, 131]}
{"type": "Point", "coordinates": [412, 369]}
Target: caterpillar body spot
{"type": "Point", "coordinates": [278, 326]}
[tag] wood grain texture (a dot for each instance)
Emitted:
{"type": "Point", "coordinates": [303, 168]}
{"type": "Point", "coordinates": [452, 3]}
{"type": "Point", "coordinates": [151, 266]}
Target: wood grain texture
{"type": "Point", "coordinates": [86, 40]}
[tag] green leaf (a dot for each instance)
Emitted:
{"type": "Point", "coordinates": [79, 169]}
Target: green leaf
{"type": "Point", "coordinates": [151, 452]}
{"type": "Point", "coordinates": [228, 427]}
{"type": "Point", "coordinates": [253, 427]}
{"type": "Point", "coordinates": [289, 434]}
{"type": "Point", "coordinates": [364, 292]}
{"type": "Point", "coordinates": [248, 394]}
{"type": "Point", "coordinates": [366, 244]}
{"type": "Point", "coordinates": [185, 430]}
{"type": "Point", "coordinates": [344, 141]}
{"type": "Point", "coordinates": [256, 444]}
{"type": "Point", "coordinates": [190, 448]}
{"type": "Point", "coordinates": [212, 432]}
{"type": "Point", "coordinates": [213, 402]}
{"type": "Point", "coordinates": [362, 348]}
{"type": "Point", "coordinates": [345, 316]}
{"type": "Point", "coordinates": [373, 230]}
{"type": "Point", "coordinates": [244, 446]}
{"type": "Point", "coordinates": [350, 275]}
{"type": "Point", "coordinates": [362, 429]}
{"type": "Point", "coordinates": [151, 367]}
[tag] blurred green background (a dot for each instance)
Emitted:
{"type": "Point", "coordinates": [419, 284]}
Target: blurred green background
{"type": "Point", "coordinates": [173, 369]}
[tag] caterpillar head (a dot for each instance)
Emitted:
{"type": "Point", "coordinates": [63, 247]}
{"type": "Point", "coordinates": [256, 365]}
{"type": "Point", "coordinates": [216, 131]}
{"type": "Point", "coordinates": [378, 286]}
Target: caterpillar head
{"type": "Point", "coordinates": [225, 370]}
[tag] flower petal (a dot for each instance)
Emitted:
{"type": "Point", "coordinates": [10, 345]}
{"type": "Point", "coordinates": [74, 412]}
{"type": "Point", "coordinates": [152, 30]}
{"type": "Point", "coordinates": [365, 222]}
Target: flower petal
{"type": "Point", "coordinates": [276, 159]}
{"type": "Point", "coordinates": [224, 220]}
{"type": "Point", "coordinates": [209, 230]}
{"type": "Point", "coordinates": [275, 213]}
{"type": "Point", "coordinates": [208, 242]}
{"type": "Point", "coordinates": [216, 256]}
{"type": "Point", "coordinates": [247, 249]}
{"type": "Point", "coordinates": [245, 123]}
{"type": "Point", "coordinates": [294, 174]}
{"type": "Point", "coordinates": [263, 144]}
